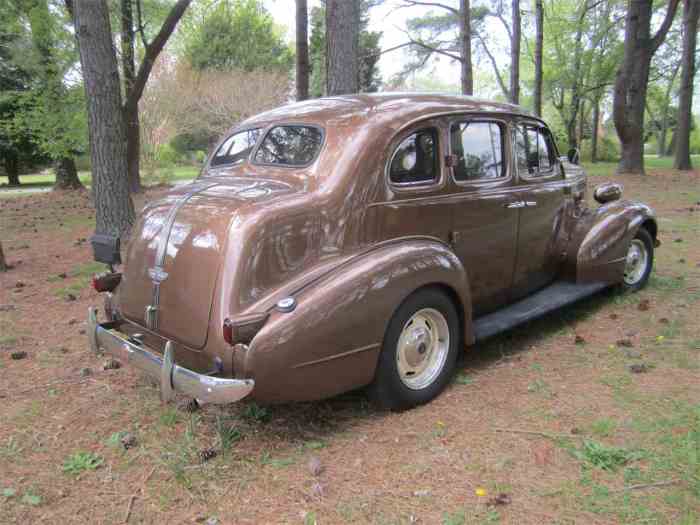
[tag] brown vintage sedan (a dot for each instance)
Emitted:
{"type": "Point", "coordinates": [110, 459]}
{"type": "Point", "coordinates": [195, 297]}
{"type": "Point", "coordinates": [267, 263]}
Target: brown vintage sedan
{"type": "Point", "coordinates": [360, 241]}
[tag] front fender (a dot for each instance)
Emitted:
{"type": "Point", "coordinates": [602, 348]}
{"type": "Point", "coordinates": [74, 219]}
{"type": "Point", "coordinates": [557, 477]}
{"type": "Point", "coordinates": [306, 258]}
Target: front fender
{"type": "Point", "coordinates": [331, 342]}
{"type": "Point", "coordinates": [596, 252]}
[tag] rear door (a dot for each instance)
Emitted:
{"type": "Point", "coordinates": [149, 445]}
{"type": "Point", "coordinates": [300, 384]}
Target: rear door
{"type": "Point", "coordinates": [543, 189]}
{"type": "Point", "coordinates": [485, 206]}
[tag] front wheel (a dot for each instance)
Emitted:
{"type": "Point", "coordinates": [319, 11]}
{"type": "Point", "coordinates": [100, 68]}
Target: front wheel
{"type": "Point", "coordinates": [419, 351]}
{"type": "Point", "coordinates": [638, 262]}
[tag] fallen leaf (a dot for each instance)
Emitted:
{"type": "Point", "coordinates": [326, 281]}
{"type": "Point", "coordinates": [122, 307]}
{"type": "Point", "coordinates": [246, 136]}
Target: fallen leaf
{"type": "Point", "coordinates": [481, 492]}
{"type": "Point", "coordinates": [501, 499]}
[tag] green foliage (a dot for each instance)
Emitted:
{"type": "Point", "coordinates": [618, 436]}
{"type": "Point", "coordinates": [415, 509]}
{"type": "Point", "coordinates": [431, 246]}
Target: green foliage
{"type": "Point", "coordinates": [81, 462]}
{"type": "Point", "coordinates": [254, 412]}
{"type": "Point", "coordinates": [604, 457]}
{"type": "Point", "coordinates": [237, 34]}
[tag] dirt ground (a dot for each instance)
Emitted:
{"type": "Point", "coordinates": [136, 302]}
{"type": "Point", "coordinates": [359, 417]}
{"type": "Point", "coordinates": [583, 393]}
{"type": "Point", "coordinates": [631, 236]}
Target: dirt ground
{"type": "Point", "coordinates": [547, 424]}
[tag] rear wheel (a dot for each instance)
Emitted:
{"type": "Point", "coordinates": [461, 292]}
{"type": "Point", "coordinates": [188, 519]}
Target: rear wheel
{"type": "Point", "coordinates": [419, 351]}
{"type": "Point", "coordinates": [638, 262]}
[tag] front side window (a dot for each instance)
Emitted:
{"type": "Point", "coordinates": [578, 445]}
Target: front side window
{"type": "Point", "coordinates": [478, 147]}
{"type": "Point", "coordinates": [534, 151]}
{"type": "Point", "coordinates": [415, 160]}
{"type": "Point", "coordinates": [236, 148]}
{"type": "Point", "coordinates": [289, 146]}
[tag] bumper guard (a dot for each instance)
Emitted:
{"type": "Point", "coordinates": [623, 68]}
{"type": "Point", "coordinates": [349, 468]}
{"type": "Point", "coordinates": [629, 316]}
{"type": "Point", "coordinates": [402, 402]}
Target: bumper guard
{"type": "Point", "coordinates": [172, 377]}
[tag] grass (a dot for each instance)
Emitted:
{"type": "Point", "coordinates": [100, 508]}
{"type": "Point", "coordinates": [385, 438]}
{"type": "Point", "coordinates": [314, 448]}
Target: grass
{"type": "Point", "coordinates": [604, 457]}
{"type": "Point", "coordinates": [80, 462]}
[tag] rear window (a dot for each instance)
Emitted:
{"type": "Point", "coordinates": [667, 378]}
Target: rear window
{"type": "Point", "coordinates": [236, 148]}
{"type": "Point", "coordinates": [289, 146]}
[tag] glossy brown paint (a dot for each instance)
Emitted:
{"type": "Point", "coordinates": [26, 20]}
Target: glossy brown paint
{"type": "Point", "coordinates": [350, 247]}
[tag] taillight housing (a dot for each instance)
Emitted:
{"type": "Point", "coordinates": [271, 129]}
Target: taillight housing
{"type": "Point", "coordinates": [106, 282]}
{"type": "Point", "coordinates": [228, 331]}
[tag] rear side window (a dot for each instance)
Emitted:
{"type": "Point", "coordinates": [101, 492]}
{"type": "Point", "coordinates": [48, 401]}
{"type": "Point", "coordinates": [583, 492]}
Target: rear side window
{"type": "Point", "coordinates": [415, 160]}
{"type": "Point", "coordinates": [236, 148]}
{"type": "Point", "coordinates": [479, 150]}
{"type": "Point", "coordinates": [289, 146]}
{"type": "Point", "coordinates": [534, 151]}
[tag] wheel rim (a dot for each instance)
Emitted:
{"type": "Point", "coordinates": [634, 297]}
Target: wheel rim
{"type": "Point", "coordinates": [635, 262]}
{"type": "Point", "coordinates": [422, 348]}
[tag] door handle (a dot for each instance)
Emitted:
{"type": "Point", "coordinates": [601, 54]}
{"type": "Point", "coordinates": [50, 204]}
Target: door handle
{"type": "Point", "coordinates": [516, 204]}
{"type": "Point", "coordinates": [530, 204]}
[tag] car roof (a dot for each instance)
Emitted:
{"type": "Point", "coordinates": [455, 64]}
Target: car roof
{"type": "Point", "coordinates": [393, 109]}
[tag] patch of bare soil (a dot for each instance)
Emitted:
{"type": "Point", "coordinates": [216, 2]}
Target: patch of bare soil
{"type": "Point", "coordinates": [519, 436]}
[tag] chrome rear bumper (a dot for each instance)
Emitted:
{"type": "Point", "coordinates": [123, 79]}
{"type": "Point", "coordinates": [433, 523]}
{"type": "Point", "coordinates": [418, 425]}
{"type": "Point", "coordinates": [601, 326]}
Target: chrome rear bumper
{"type": "Point", "coordinates": [172, 377]}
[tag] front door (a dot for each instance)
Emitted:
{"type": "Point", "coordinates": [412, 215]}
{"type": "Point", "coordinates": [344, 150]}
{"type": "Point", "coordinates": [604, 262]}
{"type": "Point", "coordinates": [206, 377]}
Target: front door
{"type": "Point", "coordinates": [485, 207]}
{"type": "Point", "coordinates": [541, 186]}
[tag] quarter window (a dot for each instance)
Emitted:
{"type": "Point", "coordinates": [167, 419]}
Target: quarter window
{"type": "Point", "coordinates": [289, 146]}
{"type": "Point", "coordinates": [415, 160]}
{"type": "Point", "coordinates": [236, 148]}
{"type": "Point", "coordinates": [534, 151]}
{"type": "Point", "coordinates": [479, 150]}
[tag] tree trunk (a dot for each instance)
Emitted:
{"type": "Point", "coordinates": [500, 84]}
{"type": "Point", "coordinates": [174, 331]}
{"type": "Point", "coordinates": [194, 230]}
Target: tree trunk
{"type": "Point", "coordinates": [465, 47]}
{"type": "Point", "coordinates": [630, 91]}
{"type": "Point", "coordinates": [594, 131]}
{"type": "Point", "coordinates": [67, 175]}
{"type": "Point", "coordinates": [671, 149]}
{"type": "Point", "coordinates": [539, 43]}
{"type": "Point", "coordinates": [12, 169]}
{"type": "Point", "coordinates": [3, 262]}
{"type": "Point", "coordinates": [302, 50]}
{"type": "Point", "coordinates": [131, 110]}
{"type": "Point", "coordinates": [581, 121]}
{"type": "Point", "coordinates": [515, 55]}
{"type": "Point", "coordinates": [114, 210]}
{"type": "Point", "coordinates": [691, 13]}
{"type": "Point", "coordinates": [342, 44]}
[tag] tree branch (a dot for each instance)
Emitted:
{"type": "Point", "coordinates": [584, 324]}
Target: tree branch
{"type": "Point", "coordinates": [412, 3]}
{"type": "Point", "coordinates": [502, 85]}
{"type": "Point", "coordinates": [665, 26]}
{"type": "Point", "coordinates": [153, 50]}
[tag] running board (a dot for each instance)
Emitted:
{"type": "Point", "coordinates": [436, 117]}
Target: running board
{"type": "Point", "coordinates": [553, 297]}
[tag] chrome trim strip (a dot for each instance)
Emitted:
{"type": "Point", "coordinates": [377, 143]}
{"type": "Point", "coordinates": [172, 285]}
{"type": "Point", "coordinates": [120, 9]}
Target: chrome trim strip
{"type": "Point", "coordinates": [338, 356]}
{"type": "Point", "coordinates": [172, 377]}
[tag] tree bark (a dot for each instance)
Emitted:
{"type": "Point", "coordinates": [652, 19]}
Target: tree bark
{"type": "Point", "coordinates": [465, 48]}
{"type": "Point", "coordinates": [131, 110]}
{"type": "Point", "coordinates": [302, 36]}
{"type": "Point", "coordinates": [539, 43]}
{"type": "Point", "coordinates": [691, 13]}
{"type": "Point", "coordinates": [342, 43]}
{"type": "Point", "coordinates": [114, 210]}
{"type": "Point", "coordinates": [67, 175]}
{"type": "Point", "coordinates": [3, 262]}
{"type": "Point", "coordinates": [12, 169]}
{"type": "Point", "coordinates": [594, 131]}
{"type": "Point", "coordinates": [629, 97]}
{"type": "Point", "coordinates": [515, 55]}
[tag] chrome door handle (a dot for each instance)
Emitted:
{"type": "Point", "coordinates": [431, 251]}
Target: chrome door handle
{"type": "Point", "coordinates": [530, 204]}
{"type": "Point", "coordinates": [516, 204]}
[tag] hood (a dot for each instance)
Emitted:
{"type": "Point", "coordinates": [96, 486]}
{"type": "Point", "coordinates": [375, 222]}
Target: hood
{"type": "Point", "coordinates": [176, 251]}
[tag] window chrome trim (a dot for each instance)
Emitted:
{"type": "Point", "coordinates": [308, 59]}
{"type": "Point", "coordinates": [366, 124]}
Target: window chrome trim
{"type": "Point", "coordinates": [422, 184]}
{"type": "Point", "coordinates": [207, 164]}
{"type": "Point", "coordinates": [266, 132]}
{"type": "Point", "coordinates": [543, 176]}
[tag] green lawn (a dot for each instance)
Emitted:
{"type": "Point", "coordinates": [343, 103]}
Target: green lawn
{"type": "Point", "coordinates": [650, 162]}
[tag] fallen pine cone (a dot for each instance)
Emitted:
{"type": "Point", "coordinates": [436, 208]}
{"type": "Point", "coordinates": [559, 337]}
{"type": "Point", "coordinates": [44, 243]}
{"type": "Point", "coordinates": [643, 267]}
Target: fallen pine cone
{"type": "Point", "coordinates": [18, 355]}
{"type": "Point", "coordinates": [188, 405]}
{"type": "Point", "coordinates": [638, 368]}
{"type": "Point", "coordinates": [501, 499]}
{"type": "Point", "coordinates": [128, 441]}
{"type": "Point", "coordinates": [207, 454]}
{"type": "Point", "coordinates": [112, 364]}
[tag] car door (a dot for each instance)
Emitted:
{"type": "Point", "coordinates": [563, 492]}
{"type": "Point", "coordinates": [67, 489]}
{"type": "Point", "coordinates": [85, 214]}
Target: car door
{"type": "Point", "coordinates": [484, 208]}
{"type": "Point", "coordinates": [415, 185]}
{"type": "Point", "coordinates": [543, 188]}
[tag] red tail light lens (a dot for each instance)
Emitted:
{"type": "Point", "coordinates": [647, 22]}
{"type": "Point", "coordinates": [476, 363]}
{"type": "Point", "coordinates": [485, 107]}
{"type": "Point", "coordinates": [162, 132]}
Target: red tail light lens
{"type": "Point", "coordinates": [228, 331]}
{"type": "Point", "coordinates": [106, 282]}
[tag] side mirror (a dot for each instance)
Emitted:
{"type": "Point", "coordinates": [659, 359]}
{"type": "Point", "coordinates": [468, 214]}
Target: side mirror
{"type": "Point", "coordinates": [607, 192]}
{"type": "Point", "coordinates": [574, 156]}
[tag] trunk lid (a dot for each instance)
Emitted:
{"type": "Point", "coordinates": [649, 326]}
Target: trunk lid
{"type": "Point", "coordinates": [176, 250]}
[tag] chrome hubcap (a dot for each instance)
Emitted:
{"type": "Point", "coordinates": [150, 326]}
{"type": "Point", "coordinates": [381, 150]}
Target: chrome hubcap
{"type": "Point", "coordinates": [635, 262]}
{"type": "Point", "coordinates": [422, 348]}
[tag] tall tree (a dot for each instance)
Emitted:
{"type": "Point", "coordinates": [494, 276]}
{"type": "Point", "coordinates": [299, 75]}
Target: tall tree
{"type": "Point", "coordinates": [515, 54]}
{"type": "Point", "coordinates": [691, 13]}
{"type": "Point", "coordinates": [114, 210]}
{"type": "Point", "coordinates": [465, 48]}
{"type": "Point", "coordinates": [131, 114]}
{"type": "Point", "coordinates": [539, 43]}
{"type": "Point", "coordinates": [629, 97]}
{"type": "Point", "coordinates": [342, 42]}
{"type": "Point", "coordinates": [302, 37]}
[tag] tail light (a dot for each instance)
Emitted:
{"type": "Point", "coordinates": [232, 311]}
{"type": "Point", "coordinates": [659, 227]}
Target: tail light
{"type": "Point", "coordinates": [243, 330]}
{"type": "Point", "coordinates": [106, 282]}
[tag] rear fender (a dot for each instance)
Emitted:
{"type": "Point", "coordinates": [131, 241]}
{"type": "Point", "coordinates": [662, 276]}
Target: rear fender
{"type": "Point", "coordinates": [601, 236]}
{"type": "Point", "coordinates": [330, 342]}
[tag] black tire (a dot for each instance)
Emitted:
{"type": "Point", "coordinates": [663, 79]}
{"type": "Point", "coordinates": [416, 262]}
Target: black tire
{"type": "Point", "coordinates": [644, 236]}
{"type": "Point", "coordinates": [388, 390]}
